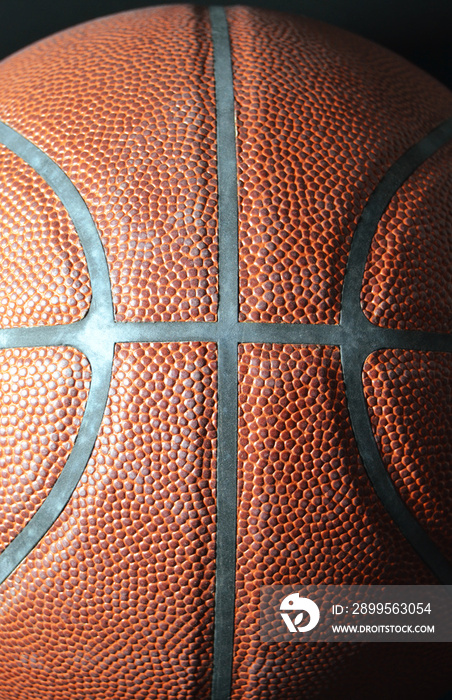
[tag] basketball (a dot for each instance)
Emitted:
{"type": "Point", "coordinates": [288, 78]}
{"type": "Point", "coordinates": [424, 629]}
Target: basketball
{"type": "Point", "coordinates": [225, 354]}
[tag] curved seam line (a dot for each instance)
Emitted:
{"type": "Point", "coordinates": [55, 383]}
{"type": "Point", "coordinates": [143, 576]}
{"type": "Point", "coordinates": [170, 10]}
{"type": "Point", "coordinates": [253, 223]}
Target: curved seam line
{"type": "Point", "coordinates": [360, 331]}
{"type": "Point", "coordinates": [82, 334]}
{"type": "Point", "coordinates": [78, 211]}
{"type": "Point", "coordinates": [53, 505]}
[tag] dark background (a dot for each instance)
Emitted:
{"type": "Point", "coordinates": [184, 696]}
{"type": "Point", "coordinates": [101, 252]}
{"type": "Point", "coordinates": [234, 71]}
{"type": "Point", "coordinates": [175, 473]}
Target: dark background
{"type": "Point", "coordinates": [420, 30]}
{"type": "Point", "coordinates": [417, 29]}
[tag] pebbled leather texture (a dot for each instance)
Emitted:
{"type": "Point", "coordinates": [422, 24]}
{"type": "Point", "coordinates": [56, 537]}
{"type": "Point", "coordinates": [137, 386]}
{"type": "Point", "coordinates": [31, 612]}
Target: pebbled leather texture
{"type": "Point", "coordinates": [408, 278]}
{"type": "Point", "coordinates": [117, 599]}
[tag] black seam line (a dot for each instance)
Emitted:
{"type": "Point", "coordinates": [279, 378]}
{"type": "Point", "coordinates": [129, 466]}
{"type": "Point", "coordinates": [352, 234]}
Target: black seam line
{"type": "Point", "coordinates": [97, 333]}
{"type": "Point", "coordinates": [361, 333]}
{"type": "Point", "coordinates": [192, 331]}
{"type": "Point", "coordinates": [54, 504]}
{"type": "Point", "coordinates": [87, 335]}
{"type": "Point", "coordinates": [226, 495]}
{"type": "Point", "coordinates": [101, 303]}
{"type": "Point", "coordinates": [351, 312]}
{"type": "Point", "coordinates": [166, 332]}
